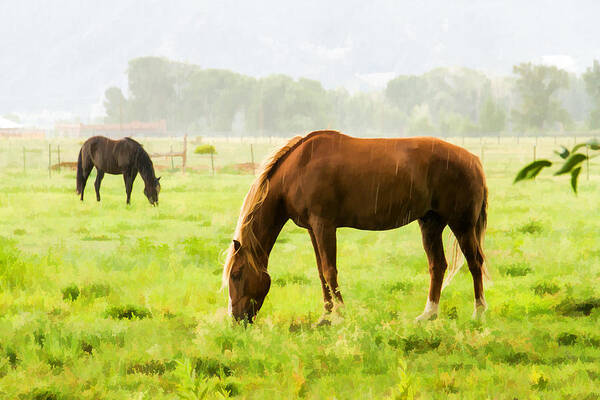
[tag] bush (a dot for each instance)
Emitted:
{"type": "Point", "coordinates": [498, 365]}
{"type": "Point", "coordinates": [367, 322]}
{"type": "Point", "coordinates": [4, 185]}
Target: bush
{"type": "Point", "coordinates": [205, 149]}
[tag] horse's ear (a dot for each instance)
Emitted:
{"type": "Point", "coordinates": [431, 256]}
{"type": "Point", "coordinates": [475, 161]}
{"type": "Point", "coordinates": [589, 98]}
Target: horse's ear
{"type": "Point", "coordinates": [236, 245]}
{"type": "Point", "coordinates": [158, 179]}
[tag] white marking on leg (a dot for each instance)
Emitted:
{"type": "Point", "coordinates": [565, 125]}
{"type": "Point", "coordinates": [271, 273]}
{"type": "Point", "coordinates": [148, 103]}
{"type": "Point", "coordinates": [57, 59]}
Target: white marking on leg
{"type": "Point", "coordinates": [431, 310]}
{"type": "Point", "coordinates": [480, 308]}
{"type": "Point", "coordinates": [229, 307]}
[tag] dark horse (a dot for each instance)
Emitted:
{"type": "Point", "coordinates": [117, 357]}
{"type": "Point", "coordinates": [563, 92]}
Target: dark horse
{"type": "Point", "coordinates": [124, 156]}
{"type": "Point", "coordinates": [326, 180]}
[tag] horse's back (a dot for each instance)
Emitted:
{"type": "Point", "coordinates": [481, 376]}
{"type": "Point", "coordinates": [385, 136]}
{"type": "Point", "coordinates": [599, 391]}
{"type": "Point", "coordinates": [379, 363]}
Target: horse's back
{"type": "Point", "coordinates": [378, 183]}
{"type": "Point", "coordinates": [111, 156]}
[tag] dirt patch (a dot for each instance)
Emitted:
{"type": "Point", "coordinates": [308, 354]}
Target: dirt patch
{"type": "Point", "coordinates": [65, 165]}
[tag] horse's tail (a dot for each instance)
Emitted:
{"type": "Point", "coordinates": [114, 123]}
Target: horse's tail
{"type": "Point", "coordinates": [457, 260]}
{"type": "Point", "coordinates": [480, 227]}
{"type": "Point", "coordinates": [80, 172]}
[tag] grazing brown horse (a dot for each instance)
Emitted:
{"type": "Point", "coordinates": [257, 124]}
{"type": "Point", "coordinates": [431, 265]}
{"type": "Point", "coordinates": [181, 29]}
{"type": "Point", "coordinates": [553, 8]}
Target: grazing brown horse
{"type": "Point", "coordinates": [125, 156]}
{"type": "Point", "coordinates": [326, 180]}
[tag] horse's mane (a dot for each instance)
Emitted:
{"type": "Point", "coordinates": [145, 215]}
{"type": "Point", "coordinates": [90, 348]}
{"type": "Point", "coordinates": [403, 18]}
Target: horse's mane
{"type": "Point", "coordinates": [252, 202]}
{"type": "Point", "coordinates": [142, 161]}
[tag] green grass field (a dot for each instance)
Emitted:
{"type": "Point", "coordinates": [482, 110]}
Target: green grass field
{"type": "Point", "coordinates": [106, 301]}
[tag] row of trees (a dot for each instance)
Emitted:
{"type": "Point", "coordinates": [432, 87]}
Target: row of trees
{"type": "Point", "coordinates": [444, 100]}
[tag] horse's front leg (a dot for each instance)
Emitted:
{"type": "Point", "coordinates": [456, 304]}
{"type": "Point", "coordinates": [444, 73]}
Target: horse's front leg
{"type": "Point", "coordinates": [327, 299]}
{"type": "Point", "coordinates": [98, 182]}
{"type": "Point", "coordinates": [325, 238]}
{"type": "Point", "coordinates": [129, 177]}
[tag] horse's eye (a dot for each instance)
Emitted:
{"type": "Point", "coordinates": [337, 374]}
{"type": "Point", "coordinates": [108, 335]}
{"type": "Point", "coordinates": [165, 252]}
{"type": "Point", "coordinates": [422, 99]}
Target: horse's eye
{"type": "Point", "coordinates": [236, 275]}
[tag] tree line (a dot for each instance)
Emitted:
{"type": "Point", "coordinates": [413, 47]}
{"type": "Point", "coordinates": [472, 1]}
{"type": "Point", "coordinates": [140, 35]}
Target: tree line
{"type": "Point", "coordinates": [445, 101]}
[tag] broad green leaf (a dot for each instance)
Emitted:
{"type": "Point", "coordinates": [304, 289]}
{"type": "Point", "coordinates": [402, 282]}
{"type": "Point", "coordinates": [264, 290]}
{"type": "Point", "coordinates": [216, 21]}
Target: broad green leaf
{"type": "Point", "coordinates": [574, 176]}
{"type": "Point", "coordinates": [564, 153]}
{"type": "Point", "coordinates": [531, 170]}
{"type": "Point", "coordinates": [573, 161]}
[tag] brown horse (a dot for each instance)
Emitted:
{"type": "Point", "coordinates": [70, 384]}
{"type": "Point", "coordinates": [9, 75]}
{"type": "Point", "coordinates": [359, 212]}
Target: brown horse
{"type": "Point", "coordinates": [125, 156]}
{"type": "Point", "coordinates": [326, 180]}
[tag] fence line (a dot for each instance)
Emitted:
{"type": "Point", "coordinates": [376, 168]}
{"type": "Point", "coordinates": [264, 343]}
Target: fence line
{"type": "Point", "coordinates": [243, 153]}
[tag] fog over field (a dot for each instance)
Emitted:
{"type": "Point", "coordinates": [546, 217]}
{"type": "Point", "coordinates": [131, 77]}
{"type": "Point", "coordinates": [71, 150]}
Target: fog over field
{"type": "Point", "coordinates": [61, 55]}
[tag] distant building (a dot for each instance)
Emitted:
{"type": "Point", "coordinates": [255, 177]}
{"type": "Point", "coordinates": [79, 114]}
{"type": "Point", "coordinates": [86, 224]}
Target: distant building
{"type": "Point", "coordinates": [10, 129]}
{"type": "Point", "coordinates": [135, 128]}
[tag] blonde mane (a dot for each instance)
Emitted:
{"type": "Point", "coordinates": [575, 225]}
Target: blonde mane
{"type": "Point", "coordinates": [254, 199]}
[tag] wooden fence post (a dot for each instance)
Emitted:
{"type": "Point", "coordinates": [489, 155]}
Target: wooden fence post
{"type": "Point", "coordinates": [59, 158]}
{"type": "Point", "coordinates": [184, 153]}
{"type": "Point", "coordinates": [212, 162]}
{"type": "Point", "coordinates": [252, 159]}
{"type": "Point", "coordinates": [587, 161]}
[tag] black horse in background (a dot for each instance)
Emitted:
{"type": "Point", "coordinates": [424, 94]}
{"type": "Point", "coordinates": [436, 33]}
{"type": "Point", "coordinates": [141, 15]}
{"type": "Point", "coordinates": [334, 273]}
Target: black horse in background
{"type": "Point", "coordinates": [124, 156]}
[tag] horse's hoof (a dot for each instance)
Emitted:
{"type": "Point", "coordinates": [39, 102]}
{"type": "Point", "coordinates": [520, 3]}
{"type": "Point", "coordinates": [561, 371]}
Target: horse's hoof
{"type": "Point", "coordinates": [479, 315]}
{"type": "Point", "coordinates": [426, 317]}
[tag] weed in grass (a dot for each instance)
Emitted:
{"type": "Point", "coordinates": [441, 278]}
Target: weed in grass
{"type": "Point", "coordinates": [532, 227]}
{"type": "Point", "coordinates": [401, 286]}
{"type": "Point", "coordinates": [544, 288]}
{"type": "Point", "coordinates": [152, 367]}
{"type": "Point", "coordinates": [95, 290]}
{"type": "Point", "coordinates": [566, 339]}
{"type": "Point", "coordinates": [571, 307]}
{"type": "Point", "coordinates": [70, 293]}
{"type": "Point", "coordinates": [128, 312]}
{"type": "Point", "coordinates": [515, 270]}
{"type": "Point", "coordinates": [293, 279]}
{"type": "Point", "coordinates": [211, 367]}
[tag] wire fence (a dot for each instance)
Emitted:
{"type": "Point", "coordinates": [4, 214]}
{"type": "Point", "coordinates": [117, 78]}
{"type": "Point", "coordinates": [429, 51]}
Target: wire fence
{"type": "Point", "coordinates": [499, 154]}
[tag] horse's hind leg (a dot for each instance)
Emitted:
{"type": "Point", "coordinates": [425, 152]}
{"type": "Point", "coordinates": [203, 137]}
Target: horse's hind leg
{"type": "Point", "coordinates": [432, 227]}
{"type": "Point", "coordinates": [99, 177]}
{"type": "Point", "coordinates": [327, 300]}
{"type": "Point", "coordinates": [87, 170]}
{"type": "Point", "coordinates": [471, 248]}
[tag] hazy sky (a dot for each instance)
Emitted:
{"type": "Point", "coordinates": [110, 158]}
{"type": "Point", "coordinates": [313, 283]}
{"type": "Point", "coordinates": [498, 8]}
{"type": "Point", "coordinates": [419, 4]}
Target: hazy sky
{"type": "Point", "coordinates": [61, 55]}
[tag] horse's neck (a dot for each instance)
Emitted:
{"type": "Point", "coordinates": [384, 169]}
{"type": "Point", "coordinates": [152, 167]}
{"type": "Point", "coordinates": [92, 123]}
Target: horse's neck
{"type": "Point", "coordinates": [146, 172]}
{"type": "Point", "coordinates": [267, 224]}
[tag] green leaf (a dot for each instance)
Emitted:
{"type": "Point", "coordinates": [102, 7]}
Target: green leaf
{"type": "Point", "coordinates": [564, 153]}
{"type": "Point", "coordinates": [531, 170]}
{"type": "Point", "coordinates": [592, 144]}
{"type": "Point", "coordinates": [574, 176]}
{"type": "Point", "coordinates": [573, 161]}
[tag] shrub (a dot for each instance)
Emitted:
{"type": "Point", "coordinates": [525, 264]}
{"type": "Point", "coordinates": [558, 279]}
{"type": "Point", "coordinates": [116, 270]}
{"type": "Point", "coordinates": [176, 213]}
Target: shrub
{"type": "Point", "coordinates": [205, 149]}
